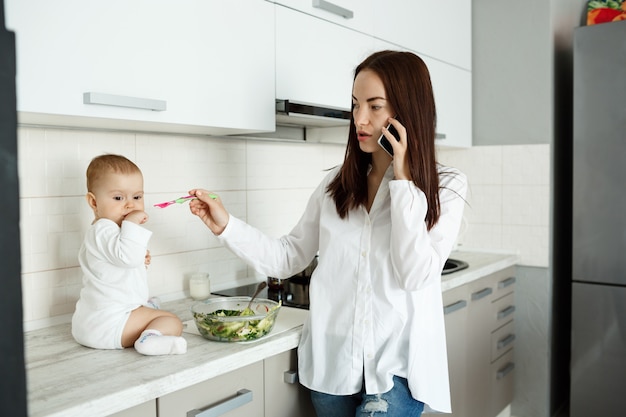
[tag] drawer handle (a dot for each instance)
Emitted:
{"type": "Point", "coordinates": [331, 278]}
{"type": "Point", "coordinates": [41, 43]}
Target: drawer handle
{"type": "Point", "coordinates": [506, 282]}
{"type": "Point", "coordinates": [440, 136]}
{"type": "Point", "coordinates": [505, 370]}
{"type": "Point", "coordinates": [333, 8]}
{"type": "Point", "coordinates": [243, 397]}
{"type": "Point", "coordinates": [504, 342]}
{"type": "Point", "coordinates": [124, 101]}
{"type": "Point", "coordinates": [481, 294]}
{"type": "Point", "coordinates": [506, 312]}
{"type": "Point", "coordinates": [290, 377]}
{"type": "Point", "coordinates": [451, 308]}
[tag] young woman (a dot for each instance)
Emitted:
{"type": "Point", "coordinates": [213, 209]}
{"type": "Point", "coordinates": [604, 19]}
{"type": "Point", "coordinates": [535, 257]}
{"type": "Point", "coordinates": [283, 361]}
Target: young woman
{"type": "Point", "coordinates": [384, 226]}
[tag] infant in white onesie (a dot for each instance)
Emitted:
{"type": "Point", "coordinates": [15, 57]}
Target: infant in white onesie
{"type": "Point", "coordinates": [113, 310]}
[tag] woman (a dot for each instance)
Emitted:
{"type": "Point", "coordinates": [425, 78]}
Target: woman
{"type": "Point", "coordinates": [384, 226]}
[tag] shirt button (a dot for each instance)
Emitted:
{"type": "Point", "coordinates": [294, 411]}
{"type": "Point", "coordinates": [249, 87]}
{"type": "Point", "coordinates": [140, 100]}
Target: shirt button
{"type": "Point", "coordinates": [364, 254]}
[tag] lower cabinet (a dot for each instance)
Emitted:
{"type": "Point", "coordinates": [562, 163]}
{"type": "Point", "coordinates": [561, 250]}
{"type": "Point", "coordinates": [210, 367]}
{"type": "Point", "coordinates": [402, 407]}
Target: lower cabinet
{"type": "Point", "coordinates": [480, 337]}
{"type": "Point", "coordinates": [238, 393]}
{"type": "Point", "coordinates": [267, 388]}
{"type": "Point", "coordinates": [456, 319]}
{"type": "Point", "coordinates": [284, 396]}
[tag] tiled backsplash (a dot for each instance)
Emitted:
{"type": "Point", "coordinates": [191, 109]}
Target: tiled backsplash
{"type": "Point", "coordinates": [266, 183]}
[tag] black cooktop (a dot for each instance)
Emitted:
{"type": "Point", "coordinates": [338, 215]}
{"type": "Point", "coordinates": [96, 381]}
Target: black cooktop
{"type": "Point", "coordinates": [294, 293]}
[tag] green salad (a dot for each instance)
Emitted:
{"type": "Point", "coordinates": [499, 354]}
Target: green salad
{"type": "Point", "coordinates": [213, 326]}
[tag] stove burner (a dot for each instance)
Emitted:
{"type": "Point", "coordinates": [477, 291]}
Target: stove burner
{"type": "Point", "coordinates": [295, 293]}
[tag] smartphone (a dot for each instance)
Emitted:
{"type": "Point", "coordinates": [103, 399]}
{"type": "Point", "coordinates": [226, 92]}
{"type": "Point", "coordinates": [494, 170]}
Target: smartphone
{"type": "Point", "coordinates": [384, 143]}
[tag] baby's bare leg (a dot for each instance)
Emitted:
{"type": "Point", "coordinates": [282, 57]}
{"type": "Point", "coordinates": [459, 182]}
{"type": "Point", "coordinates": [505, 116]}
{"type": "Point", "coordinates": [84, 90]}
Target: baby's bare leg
{"type": "Point", "coordinates": [143, 318]}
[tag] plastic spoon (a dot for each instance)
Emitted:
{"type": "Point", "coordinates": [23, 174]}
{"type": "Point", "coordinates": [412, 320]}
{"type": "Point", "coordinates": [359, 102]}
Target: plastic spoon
{"type": "Point", "coordinates": [181, 200]}
{"type": "Point", "coordinates": [178, 200]}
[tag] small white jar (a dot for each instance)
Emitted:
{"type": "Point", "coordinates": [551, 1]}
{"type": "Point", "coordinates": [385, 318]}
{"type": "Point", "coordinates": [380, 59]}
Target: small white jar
{"type": "Point", "coordinates": [199, 286]}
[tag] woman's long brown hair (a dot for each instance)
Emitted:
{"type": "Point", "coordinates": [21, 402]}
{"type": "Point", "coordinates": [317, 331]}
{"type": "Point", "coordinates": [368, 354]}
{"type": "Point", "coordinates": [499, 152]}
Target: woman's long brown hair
{"type": "Point", "coordinates": [409, 91]}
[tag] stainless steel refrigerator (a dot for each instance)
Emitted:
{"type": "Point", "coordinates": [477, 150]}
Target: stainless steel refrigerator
{"type": "Point", "coordinates": [598, 345]}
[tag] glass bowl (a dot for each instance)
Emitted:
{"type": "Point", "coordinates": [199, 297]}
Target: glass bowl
{"type": "Point", "coordinates": [219, 318]}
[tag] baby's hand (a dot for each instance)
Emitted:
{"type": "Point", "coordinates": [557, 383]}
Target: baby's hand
{"type": "Point", "coordinates": [137, 216]}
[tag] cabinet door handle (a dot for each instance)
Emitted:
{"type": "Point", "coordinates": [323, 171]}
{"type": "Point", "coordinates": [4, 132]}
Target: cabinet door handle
{"type": "Point", "coordinates": [243, 397]}
{"type": "Point", "coordinates": [505, 370]}
{"type": "Point", "coordinates": [333, 8]}
{"type": "Point", "coordinates": [124, 101]}
{"type": "Point", "coordinates": [451, 308]}
{"type": "Point", "coordinates": [290, 377]}
{"type": "Point", "coordinates": [506, 312]}
{"type": "Point", "coordinates": [504, 342]}
{"type": "Point", "coordinates": [481, 294]}
{"type": "Point", "coordinates": [506, 282]}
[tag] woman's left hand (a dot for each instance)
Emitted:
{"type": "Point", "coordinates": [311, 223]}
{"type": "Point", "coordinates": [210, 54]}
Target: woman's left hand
{"type": "Point", "coordinates": [400, 160]}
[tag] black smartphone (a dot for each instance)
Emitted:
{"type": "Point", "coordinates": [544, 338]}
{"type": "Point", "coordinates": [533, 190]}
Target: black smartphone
{"type": "Point", "coordinates": [384, 143]}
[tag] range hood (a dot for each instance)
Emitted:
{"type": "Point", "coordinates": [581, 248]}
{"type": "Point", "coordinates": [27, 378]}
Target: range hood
{"type": "Point", "coordinates": [305, 122]}
{"type": "Point", "coordinates": [293, 113]}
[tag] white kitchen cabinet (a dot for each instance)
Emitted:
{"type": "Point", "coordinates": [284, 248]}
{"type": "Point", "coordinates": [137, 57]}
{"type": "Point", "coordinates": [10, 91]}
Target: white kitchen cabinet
{"type": "Point", "coordinates": [238, 393]}
{"type": "Point", "coordinates": [452, 87]}
{"type": "Point", "coordinates": [273, 383]}
{"type": "Point", "coordinates": [211, 64]}
{"type": "Point", "coordinates": [502, 373]}
{"type": "Point", "coordinates": [147, 409]}
{"type": "Point", "coordinates": [455, 309]}
{"type": "Point", "coordinates": [315, 59]}
{"type": "Point", "coordinates": [354, 14]}
{"type": "Point", "coordinates": [437, 29]}
{"type": "Point", "coordinates": [480, 338]}
{"type": "Point", "coordinates": [479, 349]}
{"type": "Point", "coordinates": [284, 396]}
{"type": "Point", "coordinates": [490, 377]}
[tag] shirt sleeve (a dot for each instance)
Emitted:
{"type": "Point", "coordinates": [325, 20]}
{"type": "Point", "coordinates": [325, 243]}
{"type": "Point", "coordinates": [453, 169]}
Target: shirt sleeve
{"type": "Point", "coordinates": [123, 247]}
{"type": "Point", "coordinates": [417, 254]}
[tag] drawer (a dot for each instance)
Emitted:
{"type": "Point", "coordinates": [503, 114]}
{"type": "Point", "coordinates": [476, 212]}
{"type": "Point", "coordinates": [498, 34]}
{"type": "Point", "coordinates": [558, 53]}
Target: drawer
{"type": "Point", "coordinates": [502, 340]}
{"type": "Point", "coordinates": [502, 382]}
{"type": "Point", "coordinates": [237, 393]}
{"type": "Point", "coordinates": [505, 282]}
{"type": "Point", "coordinates": [502, 310]}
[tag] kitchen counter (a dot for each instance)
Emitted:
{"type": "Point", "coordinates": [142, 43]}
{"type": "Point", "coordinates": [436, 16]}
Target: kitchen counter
{"type": "Point", "coordinates": [65, 379]}
{"type": "Point", "coordinates": [480, 264]}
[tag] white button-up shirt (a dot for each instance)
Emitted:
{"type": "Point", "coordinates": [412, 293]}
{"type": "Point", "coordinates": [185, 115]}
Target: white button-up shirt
{"type": "Point", "coordinates": [376, 308]}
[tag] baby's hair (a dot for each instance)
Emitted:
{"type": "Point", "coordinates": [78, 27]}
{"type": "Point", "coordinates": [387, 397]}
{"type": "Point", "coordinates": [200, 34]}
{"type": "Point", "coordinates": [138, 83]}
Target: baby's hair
{"type": "Point", "coordinates": [104, 164]}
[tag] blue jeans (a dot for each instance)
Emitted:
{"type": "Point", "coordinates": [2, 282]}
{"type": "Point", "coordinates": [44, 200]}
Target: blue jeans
{"type": "Point", "coordinates": [395, 403]}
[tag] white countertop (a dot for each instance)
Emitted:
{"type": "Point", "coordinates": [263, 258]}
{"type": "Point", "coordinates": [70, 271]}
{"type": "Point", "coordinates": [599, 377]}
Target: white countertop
{"type": "Point", "coordinates": [480, 265]}
{"type": "Point", "coordinates": [65, 379]}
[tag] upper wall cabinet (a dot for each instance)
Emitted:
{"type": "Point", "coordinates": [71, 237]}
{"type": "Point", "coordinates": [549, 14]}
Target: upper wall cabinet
{"type": "Point", "coordinates": [354, 14]}
{"type": "Point", "coordinates": [315, 59]}
{"type": "Point", "coordinates": [190, 66]}
{"type": "Point", "coordinates": [452, 88]}
{"type": "Point", "coordinates": [438, 29]}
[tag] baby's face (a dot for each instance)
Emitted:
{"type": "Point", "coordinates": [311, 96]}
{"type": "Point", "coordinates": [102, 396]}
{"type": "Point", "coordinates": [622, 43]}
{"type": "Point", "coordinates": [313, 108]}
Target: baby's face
{"type": "Point", "coordinates": [116, 195]}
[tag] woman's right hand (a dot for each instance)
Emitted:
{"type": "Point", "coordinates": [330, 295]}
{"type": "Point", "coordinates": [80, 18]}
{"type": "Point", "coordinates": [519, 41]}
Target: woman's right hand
{"type": "Point", "coordinates": [208, 207]}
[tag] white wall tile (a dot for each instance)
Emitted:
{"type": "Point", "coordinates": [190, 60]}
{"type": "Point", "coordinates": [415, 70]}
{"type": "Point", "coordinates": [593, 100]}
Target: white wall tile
{"type": "Point", "coordinates": [508, 197]}
{"type": "Point", "coordinates": [267, 184]}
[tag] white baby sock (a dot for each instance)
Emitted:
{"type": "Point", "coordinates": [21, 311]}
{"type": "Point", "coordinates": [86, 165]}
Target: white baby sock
{"type": "Point", "coordinates": [152, 342]}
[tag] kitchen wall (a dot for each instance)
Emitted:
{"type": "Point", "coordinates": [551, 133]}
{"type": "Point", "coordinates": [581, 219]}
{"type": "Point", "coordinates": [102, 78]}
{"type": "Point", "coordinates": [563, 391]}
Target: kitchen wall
{"type": "Point", "coordinates": [266, 183]}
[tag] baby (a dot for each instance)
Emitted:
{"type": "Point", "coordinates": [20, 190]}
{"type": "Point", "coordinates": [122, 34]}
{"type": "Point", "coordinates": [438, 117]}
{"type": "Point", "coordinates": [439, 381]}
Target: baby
{"type": "Point", "coordinates": [113, 311]}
